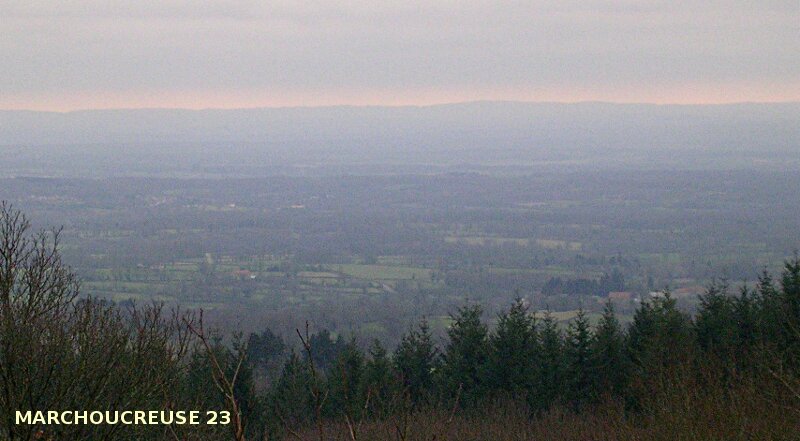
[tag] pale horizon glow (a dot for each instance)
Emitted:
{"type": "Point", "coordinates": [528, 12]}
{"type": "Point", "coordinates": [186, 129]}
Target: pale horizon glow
{"type": "Point", "coordinates": [194, 54]}
{"type": "Point", "coordinates": [254, 99]}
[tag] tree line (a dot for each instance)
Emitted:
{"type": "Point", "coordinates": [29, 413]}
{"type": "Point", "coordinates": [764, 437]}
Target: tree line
{"type": "Point", "coordinates": [60, 351]}
{"type": "Point", "coordinates": [532, 360]}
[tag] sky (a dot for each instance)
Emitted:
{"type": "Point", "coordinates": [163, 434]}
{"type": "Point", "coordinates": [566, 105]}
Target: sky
{"type": "Point", "coordinates": [64, 55]}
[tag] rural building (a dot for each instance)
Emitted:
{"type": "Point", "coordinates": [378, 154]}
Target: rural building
{"type": "Point", "coordinates": [244, 274]}
{"type": "Point", "coordinates": [689, 291]}
{"type": "Point", "coordinates": [620, 296]}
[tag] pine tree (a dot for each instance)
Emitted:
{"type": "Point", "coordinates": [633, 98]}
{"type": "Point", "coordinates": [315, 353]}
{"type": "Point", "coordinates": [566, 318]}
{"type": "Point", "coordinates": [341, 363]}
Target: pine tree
{"type": "Point", "coordinates": [790, 282]}
{"type": "Point", "coordinates": [790, 317]}
{"type": "Point", "coordinates": [466, 355]}
{"type": "Point", "coordinates": [770, 310]}
{"type": "Point", "coordinates": [745, 314]}
{"type": "Point", "coordinates": [578, 356]}
{"type": "Point", "coordinates": [514, 351]}
{"type": "Point", "coordinates": [265, 350]}
{"type": "Point", "coordinates": [325, 349]}
{"type": "Point", "coordinates": [380, 381]}
{"type": "Point", "coordinates": [660, 336]}
{"type": "Point", "coordinates": [416, 359]}
{"type": "Point", "coordinates": [290, 399]}
{"type": "Point", "coordinates": [609, 367]}
{"type": "Point", "coordinates": [549, 384]}
{"type": "Point", "coordinates": [715, 324]}
{"type": "Point", "coordinates": [345, 383]}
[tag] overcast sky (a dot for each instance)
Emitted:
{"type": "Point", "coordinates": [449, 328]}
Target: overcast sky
{"type": "Point", "coordinates": [70, 54]}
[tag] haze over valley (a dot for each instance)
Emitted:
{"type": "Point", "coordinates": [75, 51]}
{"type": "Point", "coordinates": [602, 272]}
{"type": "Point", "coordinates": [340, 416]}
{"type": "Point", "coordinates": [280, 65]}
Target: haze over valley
{"type": "Point", "coordinates": [481, 136]}
{"type": "Point", "coordinates": [399, 220]}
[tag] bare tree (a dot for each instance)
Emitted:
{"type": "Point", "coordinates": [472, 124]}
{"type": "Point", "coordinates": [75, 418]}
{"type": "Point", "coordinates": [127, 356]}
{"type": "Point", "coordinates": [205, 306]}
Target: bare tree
{"type": "Point", "coordinates": [224, 384]}
{"type": "Point", "coordinates": [62, 352]}
{"type": "Point", "coordinates": [319, 396]}
{"type": "Point", "coordinates": [36, 289]}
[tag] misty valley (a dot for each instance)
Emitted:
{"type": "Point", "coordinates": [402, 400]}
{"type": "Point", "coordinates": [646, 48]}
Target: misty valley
{"type": "Point", "coordinates": [394, 248]}
{"type": "Point", "coordinates": [399, 220]}
{"type": "Point", "coordinates": [465, 272]}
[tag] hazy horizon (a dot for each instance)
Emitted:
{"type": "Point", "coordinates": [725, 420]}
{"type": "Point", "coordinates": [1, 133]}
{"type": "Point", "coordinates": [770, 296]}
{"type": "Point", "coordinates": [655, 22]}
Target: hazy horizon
{"type": "Point", "coordinates": [243, 53]}
{"type": "Point", "coordinates": [581, 212]}
{"type": "Point", "coordinates": [406, 139]}
{"type": "Point", "coordinates": [423, 105]}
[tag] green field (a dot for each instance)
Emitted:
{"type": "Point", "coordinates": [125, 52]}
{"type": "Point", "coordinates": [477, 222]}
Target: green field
{"type": "Point", "coordinates": [382, 272]}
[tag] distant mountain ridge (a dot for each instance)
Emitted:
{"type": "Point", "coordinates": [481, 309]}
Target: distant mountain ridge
{"type": "Point", "coordinates": [585, 123]}
{"type": "Point", "coordinates": [168, 142]}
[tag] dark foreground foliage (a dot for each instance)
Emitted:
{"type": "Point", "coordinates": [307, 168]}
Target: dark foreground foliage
{"type": "Point", "coordinates": [730, 372]}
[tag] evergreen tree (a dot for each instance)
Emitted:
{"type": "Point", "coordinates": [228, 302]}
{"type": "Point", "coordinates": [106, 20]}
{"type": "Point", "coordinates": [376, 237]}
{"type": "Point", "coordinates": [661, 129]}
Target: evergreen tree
{"type": "Point", "coordinates": [715, 325]}
{"type": "Point", "coordinates": [380, 382]}
{"type": "Point", "coordinates": [790, 311]}
{"type": "Point", "coordinates": [415, 359]}
{"type": "Point", "coordinates": [790, 282]}
{"type": "Point", "coordinates": [290, 400]}
{"type": "Point", "coordinates": [265, 352]}
{"type": "Point", "coordinates": [202, 384]}
{"type": "Point", "coordinates": [745, 313]}
{"type": "Point", "coordinates": [660, 336]}
{"type": "Point", "coordinates": [345, 386]}
{"type": "Point", "coordinates": [609, 367]}
{"type": "Point", "coordinates": [549, 384]}
{"type": "Point", "coordinates": [326, 350]}
{"type": "Point", "coordinates": [770, 310]}
{"type": "Point", "coordinates": [514, 351]}
{"type": "Point", "coordinates": [578, 357]}
{"type": "Point", "coordinates": [466, 355]}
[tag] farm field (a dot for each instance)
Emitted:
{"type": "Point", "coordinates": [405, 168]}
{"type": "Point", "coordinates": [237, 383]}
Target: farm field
{"type": "Point", "coordinates": [285, 249]}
